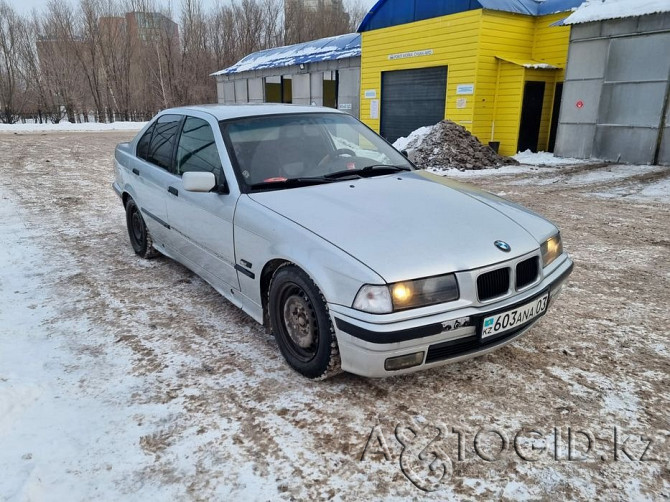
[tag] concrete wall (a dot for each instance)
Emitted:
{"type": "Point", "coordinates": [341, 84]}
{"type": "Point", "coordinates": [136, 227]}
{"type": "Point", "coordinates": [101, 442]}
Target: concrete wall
{"type": "Point", "coordinates": [307, 84]}
{"type": "Point", "coordinates": [256, 88]}
{"type": "Point", "coordinates": [616, 93]}
{"type": "Point", "coordinates": [349, 91]}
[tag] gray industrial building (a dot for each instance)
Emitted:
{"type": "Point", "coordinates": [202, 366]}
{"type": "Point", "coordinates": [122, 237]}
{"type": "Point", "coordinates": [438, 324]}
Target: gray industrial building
{"type": "Point", "coordinates": [616, 94]}
{"type": "Point", "coordinates": [325, 72]}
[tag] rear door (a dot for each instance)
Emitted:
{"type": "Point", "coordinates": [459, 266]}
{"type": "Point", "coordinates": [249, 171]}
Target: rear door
{"type": "Point", "coordinates": [155, 151]}
{"type": "Point", "coordinates": [412, 99]}
{"type": "Point", "coordinates": [202, 222]}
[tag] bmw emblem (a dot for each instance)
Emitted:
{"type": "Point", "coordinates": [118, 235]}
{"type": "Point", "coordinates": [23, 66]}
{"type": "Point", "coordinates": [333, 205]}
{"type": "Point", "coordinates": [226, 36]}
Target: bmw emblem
{"type": "Point", "coordinates": [503, 246]}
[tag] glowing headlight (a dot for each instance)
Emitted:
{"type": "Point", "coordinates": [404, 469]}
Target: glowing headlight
{"type": "Point", "coordinates": [407, 294]}
{"type": "Point", "coordinates": [551, 249]}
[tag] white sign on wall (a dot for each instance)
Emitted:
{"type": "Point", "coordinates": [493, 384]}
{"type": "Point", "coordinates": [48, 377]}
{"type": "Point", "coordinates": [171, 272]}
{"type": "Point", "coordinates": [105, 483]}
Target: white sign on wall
{"type": "Point", "coordinates": [413, 54]}
{"type": "Point", "coordinates": [461, 103]}
{"type": "Point", "coordinates": [371, 94]}
{"type": "Point", "coordinates": [344, 106]}
{"type": "Point", "coordinates": [465, 89]}
{"type": "Point", "coordinates": [374, 109]}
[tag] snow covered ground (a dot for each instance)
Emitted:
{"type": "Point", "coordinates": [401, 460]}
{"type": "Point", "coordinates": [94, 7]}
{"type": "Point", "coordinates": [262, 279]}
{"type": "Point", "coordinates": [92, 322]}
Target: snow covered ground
{"type": "Point", "coordinates": [546, 159]}
{"type": "Point", "coordinates": [127, 379]}
{"type": "Point", "coordinates": [63, 422]}
{"type": "Point", "coordinates": [603, 178]}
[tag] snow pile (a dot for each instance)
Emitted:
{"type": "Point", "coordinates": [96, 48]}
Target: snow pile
{"type": "Point", "coordinates": [415, 138]}
{"type": "Point", "coordinates": [546, 159]}
{"type": "Point", "coordinates": [68, 126]}
{"type": "Point", "coordinates": [598, 10]}
{"type": "Point", "coordinates": [447, 144]}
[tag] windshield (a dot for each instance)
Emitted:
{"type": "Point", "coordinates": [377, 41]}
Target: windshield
{"type": "Point", "coordinates": [282, 151]}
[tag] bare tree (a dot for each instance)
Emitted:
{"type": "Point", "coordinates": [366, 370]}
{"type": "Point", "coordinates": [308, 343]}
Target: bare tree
{"type": "Point", "coordinates": [12, 83]}
{"type": "Point", "coordinates": [115, 47]}
{"type": "Point", "coordinates": [303, 23]}
{"type": "Point", "coordinates": [357, 12]}
{"type": "Point", "coordinates": [126, 59]}
{"type": "Point", "coordinates": [45, 102]}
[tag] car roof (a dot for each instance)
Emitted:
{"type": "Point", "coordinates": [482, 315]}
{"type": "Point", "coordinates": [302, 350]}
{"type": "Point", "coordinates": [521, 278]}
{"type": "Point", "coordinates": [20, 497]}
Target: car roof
{"type": "Point", "coordinates": [226, 112]}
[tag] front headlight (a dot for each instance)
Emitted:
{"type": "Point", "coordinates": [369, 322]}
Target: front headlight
{"type": "Point", "coordinates": [374, 299]}
{"type": "Point", "coordinates": [551, 249]}
{"type": "Point", "coordinates": [407, 294]}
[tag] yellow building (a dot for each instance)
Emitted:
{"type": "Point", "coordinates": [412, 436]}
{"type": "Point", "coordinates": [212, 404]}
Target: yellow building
{"type": "Point", "coordinates": [494, 66]}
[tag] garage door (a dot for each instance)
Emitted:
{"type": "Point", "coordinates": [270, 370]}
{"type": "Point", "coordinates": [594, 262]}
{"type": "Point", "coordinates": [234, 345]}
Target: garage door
{"type": "Point", "coordinates": [412, 99]}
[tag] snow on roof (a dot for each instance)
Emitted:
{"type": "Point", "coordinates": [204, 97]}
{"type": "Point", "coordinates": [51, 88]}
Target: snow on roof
{"type": "Point", "coordinates": [324, 49]}
{"type": "Point", "coordinates": [598, 10]}
{"type": "Point", "coordinates": [529, 63]}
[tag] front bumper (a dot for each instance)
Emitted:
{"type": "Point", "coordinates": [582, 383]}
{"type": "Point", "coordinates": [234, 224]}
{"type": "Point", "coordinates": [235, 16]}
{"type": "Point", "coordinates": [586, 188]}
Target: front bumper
{"type": "Point", "coordinates": [443, 338]}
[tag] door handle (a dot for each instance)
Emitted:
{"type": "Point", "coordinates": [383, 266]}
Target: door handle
{"type": "Point", "coordinates": [136, 171]}
{"type": "Point", "coordinates": [173, 191]}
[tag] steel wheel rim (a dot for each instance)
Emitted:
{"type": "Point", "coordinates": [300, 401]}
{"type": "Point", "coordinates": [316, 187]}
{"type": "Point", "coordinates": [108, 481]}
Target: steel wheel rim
{"type": "Point", "coordinates": [137, 227]}
{"type": "Point", "coordinates": [299, 326]}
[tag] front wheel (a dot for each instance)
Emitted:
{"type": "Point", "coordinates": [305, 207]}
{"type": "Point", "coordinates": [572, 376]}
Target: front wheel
{"type": "Point", "coordinates": [140, 238]}
{"type": "Point", "coordinates": [301, 324]}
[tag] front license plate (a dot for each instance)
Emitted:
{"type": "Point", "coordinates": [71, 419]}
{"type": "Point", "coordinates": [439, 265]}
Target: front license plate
{"type": "Point", "coordinates": [505, 321]}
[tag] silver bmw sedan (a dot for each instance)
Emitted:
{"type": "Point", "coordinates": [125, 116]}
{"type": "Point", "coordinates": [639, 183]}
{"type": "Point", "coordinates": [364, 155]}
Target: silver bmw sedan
{"type": "Point", "coordinates": [320, 230]}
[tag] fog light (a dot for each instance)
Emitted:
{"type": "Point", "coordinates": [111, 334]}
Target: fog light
{"type": "Point", "coordinates": [402, 362]}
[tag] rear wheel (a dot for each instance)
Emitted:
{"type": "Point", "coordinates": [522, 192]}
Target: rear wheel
{"type": "Point", "coordinates": [140, 238]}
{"type": "Point", "coordinates": [301, 324]}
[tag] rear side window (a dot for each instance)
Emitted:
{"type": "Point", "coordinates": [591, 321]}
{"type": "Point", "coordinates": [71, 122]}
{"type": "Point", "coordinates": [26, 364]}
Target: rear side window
{"type": "Point", "coordinates": [197, 149]}
{"type": "Point", "coordinates": [163, 140]}
{"type": "Point", "coordinates": [143, 143]}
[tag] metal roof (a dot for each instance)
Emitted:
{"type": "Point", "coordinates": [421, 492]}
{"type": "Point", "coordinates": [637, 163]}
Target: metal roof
{"type": "Point", "coordinates": [324, 49]}
{"type": "Point", "coordinates": [234, 111]}
{"type": "Point", "coordinates": [387, 13]}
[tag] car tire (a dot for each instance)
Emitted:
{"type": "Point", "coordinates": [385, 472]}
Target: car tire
{"type": "Point", "coordinates": [301, 324]}
{"type": "Point", "coordinates": [140, 238]}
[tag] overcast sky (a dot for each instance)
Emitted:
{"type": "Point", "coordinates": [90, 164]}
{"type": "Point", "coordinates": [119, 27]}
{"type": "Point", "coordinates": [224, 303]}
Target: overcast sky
{"type": "Point", "coordinates": [25, 6]}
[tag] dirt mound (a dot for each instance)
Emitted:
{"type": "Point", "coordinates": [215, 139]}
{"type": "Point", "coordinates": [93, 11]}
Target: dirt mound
{"type": "Point", "coordinates": [448, 144]}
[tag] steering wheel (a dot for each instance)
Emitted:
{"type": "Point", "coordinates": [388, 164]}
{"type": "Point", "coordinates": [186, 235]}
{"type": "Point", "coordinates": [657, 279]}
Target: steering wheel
{"type": "Point", "coordinates": [334, 154]}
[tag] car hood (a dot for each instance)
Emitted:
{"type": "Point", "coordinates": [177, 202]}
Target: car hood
{"type": "Point", "coordinates": [413, 224]}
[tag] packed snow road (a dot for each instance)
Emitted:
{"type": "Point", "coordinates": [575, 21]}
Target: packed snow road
{"type": "Point", "coordinates": [127, 379]}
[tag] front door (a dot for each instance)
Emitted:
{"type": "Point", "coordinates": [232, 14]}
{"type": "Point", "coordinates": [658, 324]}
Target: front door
{"type": "Point", "coordinates": [202, 222]}
{"type": "Point", "coordinates": [531, 116]}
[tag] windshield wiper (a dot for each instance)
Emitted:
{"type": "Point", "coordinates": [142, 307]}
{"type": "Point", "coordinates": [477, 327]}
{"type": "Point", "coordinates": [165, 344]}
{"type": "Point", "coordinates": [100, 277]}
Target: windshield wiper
{"type": "Point", "coordinates": [367, 170]}
{"type": "Point", "coordinates": [290, 183]}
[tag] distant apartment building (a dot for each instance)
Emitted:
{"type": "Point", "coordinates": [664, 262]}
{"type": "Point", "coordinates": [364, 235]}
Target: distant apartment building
{"type": "Point", "coordinates": [306, 20]}
{"type": "Point", "coordinates": [333, 5]}
{"type": "Point", "coordinates": [148, 26]}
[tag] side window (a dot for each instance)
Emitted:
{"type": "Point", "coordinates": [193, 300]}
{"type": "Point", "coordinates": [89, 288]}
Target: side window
{"type": "Point", "coordinates": [197, 149]}
{"type": "Point", "coordinates": [163, 140]}
{"type": "Point", "coordinates": [143, 143]}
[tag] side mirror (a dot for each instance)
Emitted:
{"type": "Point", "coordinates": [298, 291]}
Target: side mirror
{"type": "Point", "coordinates": [405, 153]}
{"type": "Point", "coordinates": [198, 181]}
